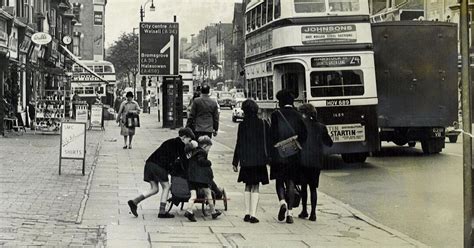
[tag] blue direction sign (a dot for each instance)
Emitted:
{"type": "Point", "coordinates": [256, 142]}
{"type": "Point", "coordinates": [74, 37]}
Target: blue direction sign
{"type": "Point", "coordinates": [158, 48]}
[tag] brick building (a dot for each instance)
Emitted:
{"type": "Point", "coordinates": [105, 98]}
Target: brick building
{"type": "Point", "coordinates": [89, 29]}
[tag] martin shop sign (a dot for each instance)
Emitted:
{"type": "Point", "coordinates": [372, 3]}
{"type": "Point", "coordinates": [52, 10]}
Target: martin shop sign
{"type": "Point", "coordinates": [323, 34]}
{"type": "Point", "coordinates": [158, 48]}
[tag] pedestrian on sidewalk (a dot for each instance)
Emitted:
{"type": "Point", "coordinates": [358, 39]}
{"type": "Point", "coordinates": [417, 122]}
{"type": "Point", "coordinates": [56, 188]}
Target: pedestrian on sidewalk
{"type": "Point", "coordinates": [312, 158]}
{"type": "Point", "coordinates": [251, 154]}
{"type": "Point", "coordinates": [200, 176]}
{"type": "Point", "coordinates": [157, 168]}
{"type": "Point", "coordinates": [126, 107]}
{"type": "Point", "coordinates": [204, 116]}
{"type": "Point", "coordinates": [285, 123]}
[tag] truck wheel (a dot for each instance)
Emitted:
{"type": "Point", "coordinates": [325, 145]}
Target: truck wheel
{"type": "Point", "coordinates": [432, 146]}
{"type": "Point", "coordinates": [354, 157]}
{"type": "Point", "coordinates": [453, 138]}
{"type": "Point", "coordinates": [412, 143]}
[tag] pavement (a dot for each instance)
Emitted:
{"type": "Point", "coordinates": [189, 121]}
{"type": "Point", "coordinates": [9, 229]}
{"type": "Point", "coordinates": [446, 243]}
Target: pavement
{"type": "Point", "coordinates": [41, 208]}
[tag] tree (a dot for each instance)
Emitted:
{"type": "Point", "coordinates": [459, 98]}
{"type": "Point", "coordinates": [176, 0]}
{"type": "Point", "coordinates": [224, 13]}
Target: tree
{"type": "Point", "coordinates": [202, 61]}
{"type": "Point", "coordinates": [124, 56]}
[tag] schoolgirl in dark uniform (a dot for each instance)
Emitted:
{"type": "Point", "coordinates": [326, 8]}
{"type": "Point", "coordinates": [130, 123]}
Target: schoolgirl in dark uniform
{"type": "Point", "coordinates": [251, 155]}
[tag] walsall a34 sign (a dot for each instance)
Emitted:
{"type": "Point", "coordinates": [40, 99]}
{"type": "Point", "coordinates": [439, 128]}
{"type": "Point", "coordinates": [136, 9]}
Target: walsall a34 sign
{"type": "Point", "coordinates": [158, 48]}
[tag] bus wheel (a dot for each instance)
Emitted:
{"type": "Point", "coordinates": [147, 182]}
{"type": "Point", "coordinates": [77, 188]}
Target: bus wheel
{"type": "Point", "coordinates": [354, 157]}
{"type": "Point", "coordinates": [412, 143]}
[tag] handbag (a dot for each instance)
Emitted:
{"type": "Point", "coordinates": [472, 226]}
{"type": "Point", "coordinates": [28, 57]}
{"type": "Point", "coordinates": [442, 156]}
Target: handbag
{"type": "Point", "coordinates": [290, 146]}
{"type": "Point", "coordinates": [297, 198]}
{"type": "Point", "coordinates": [132, 120]}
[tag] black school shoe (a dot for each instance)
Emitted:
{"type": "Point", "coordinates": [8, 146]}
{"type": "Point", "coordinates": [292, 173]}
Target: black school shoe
{"type": "Point", "coordinates": [289, 219]}
{"type": "Point", "coordinates": [133, 207]}
{"type": "Point", "coordinates": [216, 214]}
{"type": "Point", "coordinates": [190, 216]}
{"type": "Point", "coordinates": [247, 218]}
{"type": "Point", "coordinates": [282, 212]}
{"type": "Point", "coordinates": [165, 215]}
{"type": "Point", "coordinates": [253, 220]}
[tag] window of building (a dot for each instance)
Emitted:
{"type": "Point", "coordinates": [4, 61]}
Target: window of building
{"type": "Point", "coordinates": [344, 5]}
{"type": "Point", "coordinates": [77, 68]}
{"type": "Point", "coordinates": [337, 83]}
{"type": "Point", "coordinates": [76, 10]}
{"type": "Point", "coordinates": [99, 90]}
{"type": "Point", "coordinates": [309, 6]}
{"type": "Point", "coordinates": [76, 45]}
{"type": "Point", "coordinates": [185, 89]}
{"type": "Point", "coordinates": [269, 10]}
{"type": "Point", "coordinates": [253, 18]}
{"type": "Point", "coordinates": [264, 89]}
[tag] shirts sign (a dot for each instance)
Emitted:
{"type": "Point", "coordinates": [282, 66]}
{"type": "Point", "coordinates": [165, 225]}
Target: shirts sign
{"type": "Point", "coordinates": [73, 143]}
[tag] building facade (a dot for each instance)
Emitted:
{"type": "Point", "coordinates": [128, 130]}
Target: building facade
{"type": "Point", "coordinates": [89, 29]}
{"type": "Point", "coordinates": [30, 71]}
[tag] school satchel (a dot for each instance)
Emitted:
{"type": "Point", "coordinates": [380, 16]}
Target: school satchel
{"type": "Point", "coordinates": [132, 120]}
{"type": "Point", "coordinates": [290, 146]}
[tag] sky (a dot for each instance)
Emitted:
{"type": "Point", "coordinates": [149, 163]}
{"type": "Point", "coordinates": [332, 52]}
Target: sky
{"type": "Point", "coordinates": [121, 16]}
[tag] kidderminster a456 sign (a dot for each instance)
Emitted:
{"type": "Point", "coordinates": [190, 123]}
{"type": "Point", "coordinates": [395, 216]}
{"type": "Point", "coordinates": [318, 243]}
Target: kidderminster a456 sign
{"type": "Point", "coordinates": [158, 48]}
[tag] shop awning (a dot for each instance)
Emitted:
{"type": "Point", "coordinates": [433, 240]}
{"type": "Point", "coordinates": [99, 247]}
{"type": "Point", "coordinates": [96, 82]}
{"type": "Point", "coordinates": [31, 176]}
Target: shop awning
{"type": "Point", "coordinates": [78, 61]}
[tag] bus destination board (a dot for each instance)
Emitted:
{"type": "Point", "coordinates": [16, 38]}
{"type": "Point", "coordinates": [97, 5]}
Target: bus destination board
{"type": "Point", "coordinates": [335, 61]}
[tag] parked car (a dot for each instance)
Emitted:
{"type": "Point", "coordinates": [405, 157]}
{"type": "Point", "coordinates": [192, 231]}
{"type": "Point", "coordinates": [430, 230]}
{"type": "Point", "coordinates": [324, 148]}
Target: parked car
{"type": "Point", "coordinates": [226, 99]}
{"type": "Point", "coordinates": [237, 113]}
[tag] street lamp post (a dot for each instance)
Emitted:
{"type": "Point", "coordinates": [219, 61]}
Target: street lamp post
{"type": "Point", "coordinates": [142, 11]}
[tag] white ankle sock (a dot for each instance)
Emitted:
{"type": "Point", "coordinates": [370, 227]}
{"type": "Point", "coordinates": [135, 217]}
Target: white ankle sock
{"type": "Point", "coordinates": [253, 203]}
{"type": "Point", "coordinates": [282, 202]}
{"type": "Point", "coordinates": [247, 201]}
{"type": "Point", "coordinates": [289, 213]}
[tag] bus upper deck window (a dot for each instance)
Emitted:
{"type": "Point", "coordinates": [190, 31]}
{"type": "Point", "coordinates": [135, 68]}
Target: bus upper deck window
{"type": "Point", "coordinates": [269, 10]}
{"type": "Point", "coordinates": [344, 5]}
{"type": "Point", "coordinates": [310, 6]}
{"type": "Point", "coordinates": [108, 68]}
{"type": "Point", "coordinates": [277, 9]}
{"type": "Point", "coordinates": [98, 68]}
{"type": "Point", "coordinates": [78, 69]}
{"type": "Point", "coordinates": [258, 16]}
{"type": "Point", "coordinates": [99, 90]}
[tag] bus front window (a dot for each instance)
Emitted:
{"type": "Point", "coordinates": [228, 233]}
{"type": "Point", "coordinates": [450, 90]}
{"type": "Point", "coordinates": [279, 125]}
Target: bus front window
{"type": "Point", "coordinates": [337, 83]}
{"type": "Point", "coordinates": [309, 6]}
{"type": "Point", "coordinates": [344, 5]}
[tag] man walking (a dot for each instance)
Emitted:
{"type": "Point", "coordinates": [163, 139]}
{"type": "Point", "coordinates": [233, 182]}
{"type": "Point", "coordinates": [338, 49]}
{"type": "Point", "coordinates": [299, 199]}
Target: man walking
{"type": "Point", "coordinates": [204, 116]}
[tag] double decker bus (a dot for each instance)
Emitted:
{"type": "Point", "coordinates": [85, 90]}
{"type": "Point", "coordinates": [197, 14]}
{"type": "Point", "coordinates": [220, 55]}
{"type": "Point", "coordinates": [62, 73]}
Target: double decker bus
{"type": "Point", "coordinates": [322, 51]}
{"type": "Point", "coordinates": [88, 86]}
{"type": "Point", "coordinates": [186, 72]}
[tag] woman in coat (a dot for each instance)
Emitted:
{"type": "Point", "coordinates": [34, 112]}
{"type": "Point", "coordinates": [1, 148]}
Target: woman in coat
{"type": "Point", "coordinates": [251, 154]}
{"type": "Point", "coordinates": [312, 158]}
{"type": "Point", "coordinates": [285, 170]}
{"type": "Point", "coordinates": [128, 106]}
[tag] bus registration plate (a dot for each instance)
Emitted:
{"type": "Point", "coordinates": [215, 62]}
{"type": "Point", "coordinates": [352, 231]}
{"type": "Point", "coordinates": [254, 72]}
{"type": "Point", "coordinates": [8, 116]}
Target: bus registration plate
{"type": "Point", "coordinates": [347, 132]}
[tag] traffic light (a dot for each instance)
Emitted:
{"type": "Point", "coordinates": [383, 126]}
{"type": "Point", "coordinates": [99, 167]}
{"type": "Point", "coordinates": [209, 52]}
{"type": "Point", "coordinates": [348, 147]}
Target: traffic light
{"type": "Point", "coordinates": [143, 82]}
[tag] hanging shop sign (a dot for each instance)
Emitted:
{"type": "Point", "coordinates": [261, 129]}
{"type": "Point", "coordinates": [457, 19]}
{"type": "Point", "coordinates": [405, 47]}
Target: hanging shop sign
{"type": "Point", "coordinates": [13, 43]}
{"type": "Point", "coordinates": [25, 45]}
{"type": "Point", "coordinates": [41, 38]}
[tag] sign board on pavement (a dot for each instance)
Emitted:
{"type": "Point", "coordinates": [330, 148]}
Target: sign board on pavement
{"type": "Point", "coordinates": [73, 142]}
{"type": "Point", "coordinates": [96, 116]}
{"type": "Point", "coordinates": [158, 48]}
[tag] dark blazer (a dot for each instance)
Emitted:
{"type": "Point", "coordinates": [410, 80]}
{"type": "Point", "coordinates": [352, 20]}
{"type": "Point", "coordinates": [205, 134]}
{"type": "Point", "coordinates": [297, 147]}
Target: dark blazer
{"type": "Point", "coordinates": [204, 115]}
{"type": "Point", "coordinates": [167, 153]}
{"type": "Point", "coordinates": [199, 170]}
{"type": "Point", "coordinates": [250, 147]}
{"type": "Point", "coordinates": [279, 129]}
{"type": "Point", "coordinates": [312, 153]}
